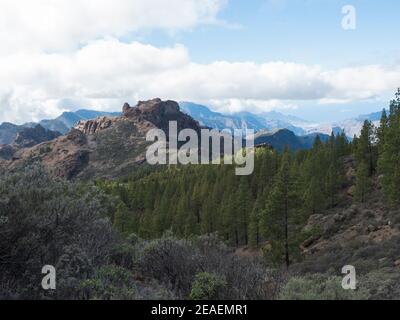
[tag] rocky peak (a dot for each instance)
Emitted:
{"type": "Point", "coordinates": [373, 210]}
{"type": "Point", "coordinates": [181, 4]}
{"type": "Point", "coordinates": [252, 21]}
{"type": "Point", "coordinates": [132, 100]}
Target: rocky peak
{"type": "Point", "coordinates": [160, 113]}
{"type": "Point", "coordinates": [145, 114]}
{"type": "Point", "coordinates": [151, 108]}
{"type": "Point", "coordinates": [126, 108]}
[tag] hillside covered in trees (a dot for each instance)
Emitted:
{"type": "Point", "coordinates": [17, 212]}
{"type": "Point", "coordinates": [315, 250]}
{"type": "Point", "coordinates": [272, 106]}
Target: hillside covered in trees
{"type": "Point", "coordinates": [201, 232]}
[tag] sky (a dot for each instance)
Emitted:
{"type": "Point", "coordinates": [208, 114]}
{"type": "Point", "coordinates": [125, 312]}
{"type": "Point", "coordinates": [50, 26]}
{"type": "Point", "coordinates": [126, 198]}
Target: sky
{"type": "Point", "coordinates": [292, 56]}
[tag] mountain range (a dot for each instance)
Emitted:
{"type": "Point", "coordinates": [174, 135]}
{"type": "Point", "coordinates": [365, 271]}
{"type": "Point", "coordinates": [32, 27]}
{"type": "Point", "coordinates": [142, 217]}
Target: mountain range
{"type": "Point", "coordinates": [267, 121]}
{"type": "Point", "coordinates": [112, 146]}
{"type": "Point", "coordinates": [89, 144]}
{"type": "Point", "coordinates": [285, 138]}
{"type": "Point", "coordinates": [244, 120]}
{"type": "Point", "coordinates": [61, 124]}
{"type": "Point", "coordinates": [272, 121]}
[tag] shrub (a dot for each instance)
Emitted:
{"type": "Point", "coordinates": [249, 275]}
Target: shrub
{"type": "Point", "coordinates": [320, 287]}
{"type": "Point", "coordinates": [207, 286]}
{"type": "Point", "coordinates": [53, 222]}
{"type": "Point", "coordinates": [109, 283]}
{"type": "Point", "coordinates": [383, 284]}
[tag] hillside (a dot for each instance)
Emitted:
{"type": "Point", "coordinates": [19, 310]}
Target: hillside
{"type": "Point", "coordinates": [283, 232]}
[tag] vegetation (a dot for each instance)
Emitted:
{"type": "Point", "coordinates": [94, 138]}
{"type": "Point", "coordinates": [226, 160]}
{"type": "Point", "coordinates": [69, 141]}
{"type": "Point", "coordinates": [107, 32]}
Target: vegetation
{"type": "Point", "coordinates": [201, 232]}
{"type": "Point", "coordinates": [271, 205]}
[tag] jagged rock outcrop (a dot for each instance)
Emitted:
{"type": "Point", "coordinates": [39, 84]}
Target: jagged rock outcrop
{"type": "Point", "coordinates": [160, 113]}
{"type": "Point", "coordinates": [93, 126]}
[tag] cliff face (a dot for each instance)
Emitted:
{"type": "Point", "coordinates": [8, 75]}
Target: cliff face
{"type": "Point", "coordinates": [105, 147]}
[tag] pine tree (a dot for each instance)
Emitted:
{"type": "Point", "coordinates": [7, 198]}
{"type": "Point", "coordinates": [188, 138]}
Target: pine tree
{"type": "Point", "coordinates": [245, 206]}
{"type": "Point", "coordinates": [362, 182]}
{"type": "Point", "coordinates": [254, 224]}
{"type": "Point", "coordinates": [280, 213]}
{"type": "Point", "coordinates": [342, 144]}
{"type": "Point", "coordinates": [365, 151]}
{"type": "Point", "coordinates": [389, 161]}
{"type": "Point", "coordinates": [314, 198]}
{"type": "Point", "coordinates": [121, 218]}
{"type": "Point", "coordinates": [381, 131]}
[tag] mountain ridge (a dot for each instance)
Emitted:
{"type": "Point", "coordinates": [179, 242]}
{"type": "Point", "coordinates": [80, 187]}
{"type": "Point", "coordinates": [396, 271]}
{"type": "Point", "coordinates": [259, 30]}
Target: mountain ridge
{"type": "Point", "coordinates": [283, 138]}
{"type": "Point", "coordinates": [273, 120]}
{"type": "Point", "coordinates": [242, 120]}
{"type": "Point", "coordinates": [270, 121]}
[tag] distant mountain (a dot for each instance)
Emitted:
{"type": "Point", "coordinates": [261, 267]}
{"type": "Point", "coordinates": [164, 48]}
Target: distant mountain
{"type": "Point", "coordinates": [26, 137]}
{"type": "Point", "coordinates": [376, 116]}
{"type": "Point", "coordinates": [286, 138]}
{"type": "Point", "coordinates": [67, 120]}
{"type": "Point", "coordinates": [272, 121]}
{"type": "Point", "coordinates": [8, 132]}
{"type": "Point", "coordinates": [351, 127]}
{"type": "Point", "coordinates": [244, 120]}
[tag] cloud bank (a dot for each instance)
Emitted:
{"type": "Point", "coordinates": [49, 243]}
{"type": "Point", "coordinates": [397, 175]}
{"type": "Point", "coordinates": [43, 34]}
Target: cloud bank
{"type": "Point", "coordinates": [105, 73]}
{"type": "Point", "coordinates": [54, 25]}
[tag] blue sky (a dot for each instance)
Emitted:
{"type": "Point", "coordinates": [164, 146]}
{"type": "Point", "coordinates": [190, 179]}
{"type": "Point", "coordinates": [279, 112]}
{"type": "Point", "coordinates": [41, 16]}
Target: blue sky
{"type": "Point", "coordinates": [291, 56]}
{"type": "Point", "coordinates": [304, 31]}
{"type": "Point", "coordinates": [301, 31]}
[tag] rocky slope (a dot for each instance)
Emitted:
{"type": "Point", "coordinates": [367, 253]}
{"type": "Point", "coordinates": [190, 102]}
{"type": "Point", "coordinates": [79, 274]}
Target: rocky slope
{"type": "Point", "coordinates": [106, 147]}
{"type": "Point", "coordinates": [364, 235]}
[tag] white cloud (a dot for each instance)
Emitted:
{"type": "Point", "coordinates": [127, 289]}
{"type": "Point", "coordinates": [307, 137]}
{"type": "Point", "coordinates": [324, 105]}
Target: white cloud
{"type": "Point", "coordinates": [105, 73]}
{"type": "Point", "coordinates": [53, 25]}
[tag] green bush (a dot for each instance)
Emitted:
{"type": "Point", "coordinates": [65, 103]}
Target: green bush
{"type": "Point", "coordinates": [320, 287]}
{"type": "Point", "coordinates": [383, 284]}
{"type": "Point", "coordinates": [207, 286]}
{"type": "Point", "coordinates": [109, 283]}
